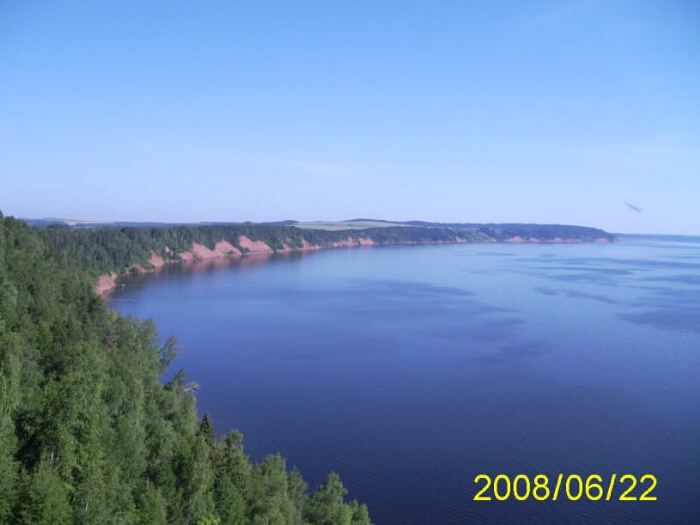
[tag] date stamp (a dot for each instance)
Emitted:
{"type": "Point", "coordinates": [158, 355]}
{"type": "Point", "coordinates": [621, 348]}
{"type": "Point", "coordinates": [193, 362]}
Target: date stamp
{"type": "Point", "coordinates": [571, 486]}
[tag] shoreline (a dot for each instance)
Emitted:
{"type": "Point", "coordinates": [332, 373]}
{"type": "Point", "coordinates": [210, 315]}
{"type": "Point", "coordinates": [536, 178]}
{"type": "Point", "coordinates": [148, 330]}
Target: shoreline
{"type": "Point", "coordinates": [222, 250]}
{"type": "Point", "coordinates": [225, 250]}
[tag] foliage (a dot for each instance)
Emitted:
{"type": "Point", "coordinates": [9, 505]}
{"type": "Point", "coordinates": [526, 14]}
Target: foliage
{"type": "Point", "coordinates": [117, 249]}
{"type": "Point", "coordinates": [87, 432]}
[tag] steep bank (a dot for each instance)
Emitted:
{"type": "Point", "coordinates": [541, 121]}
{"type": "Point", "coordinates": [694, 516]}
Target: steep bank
{"type": "Point", "coordinates": [110, 252]}
{"type": "Point", "coordinates": [243, 246]}
{"type": "Point", "coordinates": [222, 249]}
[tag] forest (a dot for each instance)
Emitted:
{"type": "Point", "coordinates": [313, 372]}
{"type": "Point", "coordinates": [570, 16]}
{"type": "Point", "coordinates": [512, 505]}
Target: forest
{"type": "Point", "coordinates": [103, 250]}
{"type": "Point", "coordinates": [88, 433]}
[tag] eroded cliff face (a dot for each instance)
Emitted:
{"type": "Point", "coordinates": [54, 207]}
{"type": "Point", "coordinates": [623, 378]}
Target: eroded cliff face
{"type": "Point", "coordinates": [222, 249]}
{"type": "Point", "coordinates": [106, 283]}
{"type": "Point", "coordinates": [198, 252]}
{"type": "Point", "coordinates": [254, 247]}
{"type": "Point", "coordinates": [225, 249]}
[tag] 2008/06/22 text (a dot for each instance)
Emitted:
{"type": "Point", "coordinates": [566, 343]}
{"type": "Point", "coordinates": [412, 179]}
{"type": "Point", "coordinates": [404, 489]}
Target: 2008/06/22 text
{"type": "Point", "coordinates": [573, 487]}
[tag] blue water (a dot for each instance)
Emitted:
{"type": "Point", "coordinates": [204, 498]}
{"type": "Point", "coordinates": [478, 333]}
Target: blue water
{"type": "Point", "coordinates": [411, 370]}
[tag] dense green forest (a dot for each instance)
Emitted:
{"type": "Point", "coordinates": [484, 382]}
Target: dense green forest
{"type": "Point", "coordinates": [101, 251]}
{"type": "Point", "coordinates": [88, 434]}
{"type": "Point", "coordinates": [116, 249]}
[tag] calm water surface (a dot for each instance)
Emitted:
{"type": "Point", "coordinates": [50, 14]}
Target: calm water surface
{"type": "Point", "coordinates": [411, 370]}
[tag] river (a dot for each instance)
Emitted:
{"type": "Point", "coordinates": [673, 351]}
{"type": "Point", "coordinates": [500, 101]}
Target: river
{"type": "Point", "coordinates": [411, 370]}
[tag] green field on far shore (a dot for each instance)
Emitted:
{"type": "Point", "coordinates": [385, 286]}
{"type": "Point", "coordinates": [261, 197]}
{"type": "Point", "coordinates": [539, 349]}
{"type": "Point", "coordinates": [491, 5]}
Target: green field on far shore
{"type": "Point", "coordinates": [345, 225]}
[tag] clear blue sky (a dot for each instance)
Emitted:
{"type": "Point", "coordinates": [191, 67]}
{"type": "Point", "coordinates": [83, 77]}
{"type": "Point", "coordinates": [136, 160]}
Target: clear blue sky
{"type": "Point", "coordinates": [538, 111]}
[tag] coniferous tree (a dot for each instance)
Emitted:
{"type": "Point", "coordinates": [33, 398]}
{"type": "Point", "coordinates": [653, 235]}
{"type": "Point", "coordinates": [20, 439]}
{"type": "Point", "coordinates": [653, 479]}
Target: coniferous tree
{"type": "Point", "coordinates": [88, 434]}
{"type": "Point", "coordinates": [45, 499]}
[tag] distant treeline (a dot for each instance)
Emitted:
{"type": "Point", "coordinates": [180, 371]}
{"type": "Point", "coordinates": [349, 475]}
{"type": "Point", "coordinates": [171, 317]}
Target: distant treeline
{"type": "Point", "coordinates": [88, 434]}
{"type": "Point", "coordinates": [541, 232]}
{"type": "Point", "coordinates": [658, 237]}
{"type": "Point", "coordinates": [106, 249]}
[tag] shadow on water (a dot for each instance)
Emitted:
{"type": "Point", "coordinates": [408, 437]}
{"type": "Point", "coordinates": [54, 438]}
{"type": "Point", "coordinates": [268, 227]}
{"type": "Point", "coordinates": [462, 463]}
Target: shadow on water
{"type": "Point", "coordinates": [668, 308]}
{"type": "Point", "coordinates": [574, 294]}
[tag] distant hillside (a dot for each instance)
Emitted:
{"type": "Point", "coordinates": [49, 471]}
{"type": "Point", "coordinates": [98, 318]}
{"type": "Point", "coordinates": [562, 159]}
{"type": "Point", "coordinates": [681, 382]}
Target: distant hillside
{"type": "Point", "coordinates": [354, 224]}
{"type": "Point", "coordinates": [445, 232]}
{"type": "Point", "coordinates": [108, 251]}
{"type": "Point", "coordinates": [78, 224]}
{"type": "Point", "coordinates": [657, 238]}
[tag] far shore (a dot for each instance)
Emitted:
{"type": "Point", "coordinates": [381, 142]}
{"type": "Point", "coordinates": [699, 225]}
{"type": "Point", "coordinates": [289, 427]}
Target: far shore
{"type": "Point", "coordinates": [225, 250]}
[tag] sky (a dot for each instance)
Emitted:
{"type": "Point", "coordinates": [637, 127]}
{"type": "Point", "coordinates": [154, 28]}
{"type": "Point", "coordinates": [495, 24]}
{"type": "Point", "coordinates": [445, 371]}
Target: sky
{"type": "Point", "coordinates": [559, 111]}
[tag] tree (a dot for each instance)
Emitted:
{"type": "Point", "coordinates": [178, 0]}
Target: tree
{"type": "Point", "coordinates": [206, 430]}
{"type": "Point", "coordinates": [45, 501]}
{"type": "Point", "coordinates": [88, 434]}
{"type": "Point", "coordinates": [326, 506]}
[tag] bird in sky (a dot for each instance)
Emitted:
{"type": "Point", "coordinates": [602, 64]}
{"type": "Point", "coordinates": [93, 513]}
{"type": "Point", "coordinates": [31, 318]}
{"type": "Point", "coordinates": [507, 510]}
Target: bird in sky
{"type": "Point", "coordinates": [633, 207]}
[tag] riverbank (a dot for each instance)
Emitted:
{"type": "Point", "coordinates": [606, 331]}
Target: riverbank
{"type": "Point", "coordinates": [248, 247]}
{"type": "Point", "coordinates": [222, 249]}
